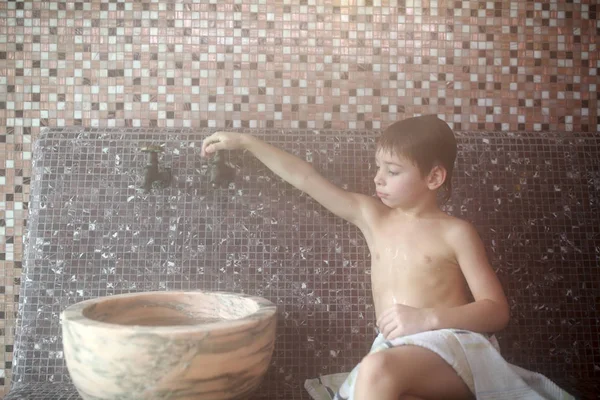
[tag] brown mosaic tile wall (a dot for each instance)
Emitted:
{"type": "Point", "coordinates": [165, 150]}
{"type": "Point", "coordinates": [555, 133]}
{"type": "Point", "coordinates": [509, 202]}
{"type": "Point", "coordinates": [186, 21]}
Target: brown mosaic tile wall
{"type": "Point", "coordinates": [310, 64]}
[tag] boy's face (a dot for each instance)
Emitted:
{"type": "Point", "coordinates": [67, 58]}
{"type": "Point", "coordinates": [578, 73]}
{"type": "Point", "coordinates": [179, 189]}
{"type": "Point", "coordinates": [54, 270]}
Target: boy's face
{"type": "Point", "coordinates": [398, 181]}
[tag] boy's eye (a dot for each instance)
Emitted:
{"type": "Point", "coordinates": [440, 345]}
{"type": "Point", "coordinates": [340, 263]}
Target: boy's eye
{"type": "Point", "coordinates": [393, 173]}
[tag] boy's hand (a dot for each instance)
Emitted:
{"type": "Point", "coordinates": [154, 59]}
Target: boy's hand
{"type": "Point", "coordinates": [400, 320]}
{"type": "Point", "coordinates": [222, 141]}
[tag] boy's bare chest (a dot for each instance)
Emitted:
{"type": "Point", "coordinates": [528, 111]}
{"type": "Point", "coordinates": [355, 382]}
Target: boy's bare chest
{"type": "Point", "coordinates": [410, 249]}
{"type": "Point", "coordinates": [414, 266]}
{"type": "Point", "coordinates": [414, 271]}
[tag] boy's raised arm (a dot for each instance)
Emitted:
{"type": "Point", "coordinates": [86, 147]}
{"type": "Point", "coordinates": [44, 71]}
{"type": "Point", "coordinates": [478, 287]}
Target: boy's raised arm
{"type": "Point", "coordinates": [353, 207]}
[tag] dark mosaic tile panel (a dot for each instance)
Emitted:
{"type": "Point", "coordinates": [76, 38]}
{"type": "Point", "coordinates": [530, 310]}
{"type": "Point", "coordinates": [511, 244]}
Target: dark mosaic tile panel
{"type": "Point", "coordinates": [493, 65]}
{"type": "Point", "coordinates": [93, 233]}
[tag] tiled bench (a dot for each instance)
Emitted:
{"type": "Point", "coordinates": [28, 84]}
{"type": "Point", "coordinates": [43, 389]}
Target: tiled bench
{"type": "Point", "coordinates": [92, 232]}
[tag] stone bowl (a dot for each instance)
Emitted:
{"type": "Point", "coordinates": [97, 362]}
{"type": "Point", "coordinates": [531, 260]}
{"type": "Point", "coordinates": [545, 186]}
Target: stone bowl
{"type": "Point", "coordinates": [168, 345]}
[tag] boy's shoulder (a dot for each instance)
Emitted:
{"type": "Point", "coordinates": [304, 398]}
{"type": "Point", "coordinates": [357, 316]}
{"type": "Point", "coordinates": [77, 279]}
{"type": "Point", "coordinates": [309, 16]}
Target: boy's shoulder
{"type": "Point", "coordinates": [457, 230]}
{"type": "Point", "coordinates": [455, 222]}
{"type": "Point", "coordinates": [451, 225]}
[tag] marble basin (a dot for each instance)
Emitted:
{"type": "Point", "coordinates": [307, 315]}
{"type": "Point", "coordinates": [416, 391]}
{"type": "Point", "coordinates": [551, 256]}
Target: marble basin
{"type": "Point", "coordinates": [168, 345]}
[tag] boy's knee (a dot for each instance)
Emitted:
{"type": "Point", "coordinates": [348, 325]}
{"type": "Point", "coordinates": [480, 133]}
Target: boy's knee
{"type": "Point", "coordinates": [379, 367]}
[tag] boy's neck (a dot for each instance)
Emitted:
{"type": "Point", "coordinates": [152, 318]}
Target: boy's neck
{"type": "Point", "coordinates": [426, 207]}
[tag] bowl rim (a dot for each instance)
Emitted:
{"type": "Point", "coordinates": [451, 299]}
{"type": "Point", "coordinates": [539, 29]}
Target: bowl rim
{"type": "Point", "coordinates": [73, 314]}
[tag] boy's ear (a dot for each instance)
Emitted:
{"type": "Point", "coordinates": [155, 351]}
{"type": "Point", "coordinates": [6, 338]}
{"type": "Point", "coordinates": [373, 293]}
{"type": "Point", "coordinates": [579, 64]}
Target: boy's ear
{"type": "Point", "coordinates": [436, 177]}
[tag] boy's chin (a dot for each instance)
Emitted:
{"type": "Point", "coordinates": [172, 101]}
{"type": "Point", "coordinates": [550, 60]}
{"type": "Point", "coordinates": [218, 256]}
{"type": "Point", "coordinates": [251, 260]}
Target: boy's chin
{"type": "Point", "coordinates": [394, 203]}
{"type": "Point", "coordinates": [389, 202]}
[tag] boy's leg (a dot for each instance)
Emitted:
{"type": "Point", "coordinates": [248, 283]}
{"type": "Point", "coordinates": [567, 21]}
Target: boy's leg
{"type": "Point", "coordinates": [408, 370]}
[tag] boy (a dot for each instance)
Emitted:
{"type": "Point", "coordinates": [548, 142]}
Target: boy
{"type": "Point", "coordinates": [423, 261]}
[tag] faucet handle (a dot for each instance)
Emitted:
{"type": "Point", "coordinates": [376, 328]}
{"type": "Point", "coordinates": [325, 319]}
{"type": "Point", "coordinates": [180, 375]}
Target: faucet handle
{"type": "Point", "coordinates": [152, 149]}
{"type": "Point", "coordinates": [220, 173]}
{"type": "Point", "coordinates": [152, 171]}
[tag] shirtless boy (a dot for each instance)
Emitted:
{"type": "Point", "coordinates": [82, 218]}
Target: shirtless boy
{"type": "Point", "coordinates": [425, 264]}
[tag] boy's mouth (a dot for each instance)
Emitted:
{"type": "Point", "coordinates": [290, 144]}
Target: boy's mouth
{"type": "Point", "coordinates": [381, 195]}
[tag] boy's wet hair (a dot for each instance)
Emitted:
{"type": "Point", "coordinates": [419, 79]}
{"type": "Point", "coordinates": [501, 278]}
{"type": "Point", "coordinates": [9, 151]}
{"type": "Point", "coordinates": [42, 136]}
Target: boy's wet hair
{"type": "Point", "coordinates": [427, 141]}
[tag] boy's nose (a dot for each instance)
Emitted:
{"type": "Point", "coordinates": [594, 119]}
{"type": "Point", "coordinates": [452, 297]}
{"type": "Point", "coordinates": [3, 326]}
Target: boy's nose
{"type": "Point", "coordinates": [378, 181]}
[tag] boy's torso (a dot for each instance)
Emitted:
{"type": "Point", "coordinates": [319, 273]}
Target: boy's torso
{"type": "Point", "coordinates": [412, 263]}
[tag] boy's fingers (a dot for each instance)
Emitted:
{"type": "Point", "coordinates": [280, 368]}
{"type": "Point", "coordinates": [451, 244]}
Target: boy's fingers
{"type": "Point", "coordinates": [211, 148]}
{"type": "Point", "coordinates": [384, 315]}
{"type": "Point", "coordinates": [394, 334]}
{"type": "Point", "coordinates": [382, 322]}
{"type": "Point", "coordinates": [386, 329]}
{"type": "Point", "coordinates": [210, 145]}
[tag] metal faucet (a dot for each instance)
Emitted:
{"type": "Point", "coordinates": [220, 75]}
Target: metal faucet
{"type": "Point", "coordinates": [220, 173]}
{"type": "Point", "coordinates": [152, 172]}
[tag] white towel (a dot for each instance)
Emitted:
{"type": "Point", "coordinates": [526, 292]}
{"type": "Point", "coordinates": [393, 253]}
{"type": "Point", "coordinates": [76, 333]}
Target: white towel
{"type": "Point", "coordinates": [465, 351]}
